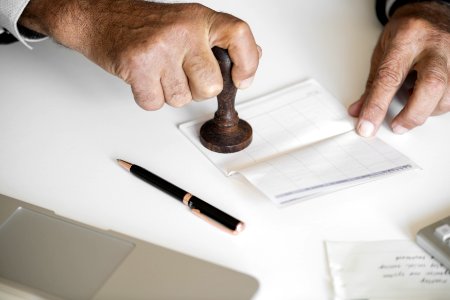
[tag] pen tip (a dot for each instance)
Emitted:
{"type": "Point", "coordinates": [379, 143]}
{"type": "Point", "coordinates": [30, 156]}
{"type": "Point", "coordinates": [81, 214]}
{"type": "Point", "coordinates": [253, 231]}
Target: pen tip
{"type": "Point", "coordinates": [240, 227]}
{"type": "Point", "coordinates": [124, 164]}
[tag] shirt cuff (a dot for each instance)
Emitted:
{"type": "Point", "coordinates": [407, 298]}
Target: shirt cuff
{"type": "Point", "coordinates": [10, 12]}
{"type": "Point", "coordinates": [386, 8]}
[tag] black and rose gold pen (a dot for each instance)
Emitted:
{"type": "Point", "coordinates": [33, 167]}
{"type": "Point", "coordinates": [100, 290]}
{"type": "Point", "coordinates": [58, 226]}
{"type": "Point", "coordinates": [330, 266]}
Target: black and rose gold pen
{"type": "Point", "coordinates": [199, 207]}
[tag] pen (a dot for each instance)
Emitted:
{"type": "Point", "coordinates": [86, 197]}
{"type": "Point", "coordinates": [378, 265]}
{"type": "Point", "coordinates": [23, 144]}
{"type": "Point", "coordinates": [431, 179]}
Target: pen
{"type": "Point", "coordinates": [199, 207]}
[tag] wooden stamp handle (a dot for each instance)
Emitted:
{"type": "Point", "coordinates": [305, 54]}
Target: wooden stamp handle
{"type": "Point", "coordinates": [226, 114]}
{"type": "Point", "coordinates": [225, 133]}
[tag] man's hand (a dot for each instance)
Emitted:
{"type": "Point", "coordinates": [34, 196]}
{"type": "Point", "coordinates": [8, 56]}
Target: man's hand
{"type": "Point", "coordinates": [416, 39]}
{"type": "Point", "coordinates": [162, 50]}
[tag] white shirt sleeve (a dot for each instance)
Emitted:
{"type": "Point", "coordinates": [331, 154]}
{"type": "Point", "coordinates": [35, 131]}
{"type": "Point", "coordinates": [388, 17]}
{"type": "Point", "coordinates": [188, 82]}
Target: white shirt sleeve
{"type": "Point", "coordinates": [10, 11]}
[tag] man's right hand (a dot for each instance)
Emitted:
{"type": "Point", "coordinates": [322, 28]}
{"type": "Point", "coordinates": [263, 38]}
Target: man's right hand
{"type": "Point", "coordinates": [162, 50]}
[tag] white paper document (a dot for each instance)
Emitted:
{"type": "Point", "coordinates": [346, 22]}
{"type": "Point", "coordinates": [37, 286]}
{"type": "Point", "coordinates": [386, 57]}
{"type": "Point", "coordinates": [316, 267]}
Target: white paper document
{"type": "Point", "coordinates": [394, 270]}
{"type": "Point", "coordinates": [303, 145]}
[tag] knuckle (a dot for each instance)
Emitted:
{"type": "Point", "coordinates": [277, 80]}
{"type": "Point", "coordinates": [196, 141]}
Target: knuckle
{"type": "Point", "coordinates": [130, 60]}
{"type": "Point", "coordinates": [178, 96]}
{"type": "Point", "coordinates": [205, 81]}
{"type": "Point", "coordinates": [143, 51]}
{"type": "Point", "coordinates": [414, 119]}
{"type": "Point", "coordinates": [241, 28]}
{"type": "Point", "coordinates": [376, 107]}
{"type": "Point", "coordinates": [179, 100]}
{"type": "Point", "coordinates": [199, 66]}
{"type": "Point", "coordinates": [436, 79]}
{"type": "Point", "coordinates": [388, 76]}
{"type": "Point", "coordinates": [148, 102]}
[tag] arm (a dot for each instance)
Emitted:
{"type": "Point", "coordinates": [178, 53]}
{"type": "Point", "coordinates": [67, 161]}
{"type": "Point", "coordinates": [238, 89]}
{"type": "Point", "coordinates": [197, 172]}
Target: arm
{"type": "Point", "coordinates": [415, 40]}
{"type": "Point", "coordinates": [163, 51]}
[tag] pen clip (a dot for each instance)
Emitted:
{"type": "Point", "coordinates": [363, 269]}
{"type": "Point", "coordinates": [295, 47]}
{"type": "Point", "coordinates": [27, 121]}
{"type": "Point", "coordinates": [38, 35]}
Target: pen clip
{"type": "Point", "coordinates": [238, 229]}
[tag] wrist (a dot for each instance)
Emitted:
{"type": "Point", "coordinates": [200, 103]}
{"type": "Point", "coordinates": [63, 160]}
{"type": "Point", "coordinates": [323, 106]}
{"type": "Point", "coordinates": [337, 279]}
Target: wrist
{"type": "Point", "coordinates": [64, 21]}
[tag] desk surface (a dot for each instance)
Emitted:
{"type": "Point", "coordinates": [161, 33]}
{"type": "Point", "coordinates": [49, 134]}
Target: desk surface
{"type": "Point", "coordinates": [64, 121]}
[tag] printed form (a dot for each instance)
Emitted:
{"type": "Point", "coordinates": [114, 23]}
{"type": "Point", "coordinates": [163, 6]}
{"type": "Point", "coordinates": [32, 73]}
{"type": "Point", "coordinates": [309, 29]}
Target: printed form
{"type": "Point", "coordinates": [303, 145]}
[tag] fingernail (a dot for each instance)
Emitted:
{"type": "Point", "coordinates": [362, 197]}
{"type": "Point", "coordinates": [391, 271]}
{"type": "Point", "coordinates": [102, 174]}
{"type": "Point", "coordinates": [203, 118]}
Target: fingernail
{"type": "Point", "coordinates": [246, 83]}
{"type": "Point", "coordinates": [399, 129]}
{"type": "Point", "coordinates": [365, 128]}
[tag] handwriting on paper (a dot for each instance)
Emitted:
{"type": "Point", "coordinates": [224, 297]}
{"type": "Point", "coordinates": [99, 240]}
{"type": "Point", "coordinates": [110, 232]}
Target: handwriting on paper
{"type": "Point", "coordinates": [421, 268]}
{"type": "Point", "coordinates": [386, 270]}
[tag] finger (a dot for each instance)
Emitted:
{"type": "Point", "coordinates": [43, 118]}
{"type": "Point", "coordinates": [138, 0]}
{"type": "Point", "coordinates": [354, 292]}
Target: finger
{"type": "Point", "coordinates": [431, 84]}
{"type": "Point", "coordinates": [355, 108]}
{"type": "Point", "coordinates": [175, 87]}
{"type": "Point", "coordinates": [148, 93]}
{"type": "Point", "coordinates": [144, 79]}
{"type": "Point", "coordinates": [387, 79]}
{"type": "Point", "coordinates": [375, 62]}
{"type": "Point", "coordinates": [233, 34]}
{"type": "Point", "coordinates": [203, 73]}
{"type": "Point", "coordinates": [444, 105]}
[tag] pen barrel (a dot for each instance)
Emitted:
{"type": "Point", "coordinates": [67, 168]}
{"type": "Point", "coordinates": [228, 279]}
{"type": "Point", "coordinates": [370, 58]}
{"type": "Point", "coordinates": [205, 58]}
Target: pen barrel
{"type": "Point", "coordinates": [215, 214]}
{"type": "Point", "coordinates": [158, 182]}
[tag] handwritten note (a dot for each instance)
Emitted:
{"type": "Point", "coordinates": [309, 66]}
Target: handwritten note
{"type": "Point", "coordinates": [303, 145]}
{"type": "Point", "coordinates": [386, 270]}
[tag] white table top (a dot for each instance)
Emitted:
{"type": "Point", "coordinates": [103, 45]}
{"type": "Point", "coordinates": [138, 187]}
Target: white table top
{"type": "Point", "coordinates": [64, 121]}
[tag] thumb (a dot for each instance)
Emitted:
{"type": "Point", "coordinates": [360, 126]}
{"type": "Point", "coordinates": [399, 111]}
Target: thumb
{"type": "Point", "coordinates": [231, 33]}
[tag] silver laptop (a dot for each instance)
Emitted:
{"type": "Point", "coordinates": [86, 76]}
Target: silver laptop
{"type": "Point", "coordinates": [44, 256]}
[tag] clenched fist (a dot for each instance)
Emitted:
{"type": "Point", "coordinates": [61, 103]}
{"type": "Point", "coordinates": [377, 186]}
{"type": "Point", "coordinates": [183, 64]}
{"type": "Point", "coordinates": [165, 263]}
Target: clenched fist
{"type": "Point", "coordinates": [163, 51]}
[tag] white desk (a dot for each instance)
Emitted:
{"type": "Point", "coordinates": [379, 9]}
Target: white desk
{"type": "Point", "coordinates": [63, 121]}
